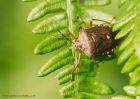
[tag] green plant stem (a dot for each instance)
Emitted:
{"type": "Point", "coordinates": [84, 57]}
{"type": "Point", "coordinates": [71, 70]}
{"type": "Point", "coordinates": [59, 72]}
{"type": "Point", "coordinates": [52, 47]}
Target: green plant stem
{"type": "Point", "coordinates": [70, 16]}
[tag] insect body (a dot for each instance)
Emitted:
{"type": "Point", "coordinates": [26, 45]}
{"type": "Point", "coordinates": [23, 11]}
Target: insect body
{"type": "Point", "coordinates": [94, 40]}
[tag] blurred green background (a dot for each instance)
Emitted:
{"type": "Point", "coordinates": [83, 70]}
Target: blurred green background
{"type": "Point", "coordinates": [19, 65]}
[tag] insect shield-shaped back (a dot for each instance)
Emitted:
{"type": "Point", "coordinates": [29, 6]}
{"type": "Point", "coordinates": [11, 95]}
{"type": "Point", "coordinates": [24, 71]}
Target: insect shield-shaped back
{"type": "Point", "coordinates": [96, 40]}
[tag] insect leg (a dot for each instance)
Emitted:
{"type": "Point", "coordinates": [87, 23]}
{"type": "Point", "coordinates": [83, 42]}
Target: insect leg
{"type": "Point", "coordinates": [56, 37]}
{"type": "Point", "coordinates": [91, 24]}
{"type": "Point", "coordinates": [77, 65]}
{"type": "Point", "coordinates": [72, 36]}
{"type": "Point", "coordinates": [79, 57]}
{"type": "Point", "coordinates": [81, 20]}
{"type": "Point", "coordinates": [105, 22]}
{"type": "Point", "coordinates": [61, 33]}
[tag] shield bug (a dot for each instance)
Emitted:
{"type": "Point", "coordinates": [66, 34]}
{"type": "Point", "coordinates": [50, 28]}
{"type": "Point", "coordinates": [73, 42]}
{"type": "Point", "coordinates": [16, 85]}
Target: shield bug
{"type": "Point", "coordinates": [94, 40]}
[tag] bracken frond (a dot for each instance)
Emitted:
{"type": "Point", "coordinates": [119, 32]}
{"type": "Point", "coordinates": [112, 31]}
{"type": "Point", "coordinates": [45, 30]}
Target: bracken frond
{"type": "Point", "coordinates": [59, 18]}
{"type": "Point", "coordinates": [129, 49]}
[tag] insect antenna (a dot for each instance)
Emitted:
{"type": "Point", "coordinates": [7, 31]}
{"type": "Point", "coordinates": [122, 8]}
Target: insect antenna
{"type": "Point", "coordinates": [65, 36]}
{"type": "Point", "coordinates": [61, 33]}
{"type": "Point", "coordinates": [102, 21]}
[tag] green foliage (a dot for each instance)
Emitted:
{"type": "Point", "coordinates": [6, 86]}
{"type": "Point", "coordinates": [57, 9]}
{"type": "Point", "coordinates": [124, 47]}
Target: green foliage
{"type": "Point", "coordinates": [28, 0]}
{"type": "Point", "coordinates": [50, 43]}
{"type": "Point", "coordinates": [129, 49]}
{"type": "Point", "coordinates": [122, 97]}
{"type": "Point", "coordinates": [61, 15]}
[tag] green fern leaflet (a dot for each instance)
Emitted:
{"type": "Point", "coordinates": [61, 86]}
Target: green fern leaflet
{"type": "Point", "coordinates": [62, 16]}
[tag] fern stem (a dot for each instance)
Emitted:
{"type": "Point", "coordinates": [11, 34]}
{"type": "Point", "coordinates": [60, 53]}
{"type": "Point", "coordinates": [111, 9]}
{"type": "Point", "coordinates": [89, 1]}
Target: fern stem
{"type": "Point", "coordinates": [70, 16]}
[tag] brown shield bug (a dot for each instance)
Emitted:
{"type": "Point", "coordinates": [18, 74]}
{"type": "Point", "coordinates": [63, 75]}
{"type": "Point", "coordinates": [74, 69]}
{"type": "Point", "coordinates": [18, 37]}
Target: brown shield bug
{"type": "Point", "coordinates": [94, 40]}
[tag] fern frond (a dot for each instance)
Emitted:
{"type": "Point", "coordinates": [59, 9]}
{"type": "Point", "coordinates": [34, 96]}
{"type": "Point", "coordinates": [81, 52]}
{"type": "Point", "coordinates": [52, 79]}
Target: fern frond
{"type": "Point", "coordinates": [128, 28]}
{"type": "Point", "coordinates": [61, 59]}
{"type": "Point", "coordinates": [122, 97]}
{"type": "Point", "coordinates": [50, 44]}
{"type": "Point", "coordinates": [135, 78]}
{"type": "Point", "coordinates": [98, 87]}
{"type": "Point", "coordinates": [122, 2]}
{"type": "Point", "coordinates": [129, 24]}
{"type": "Point", "coordinates": [45, 8]}
{"type": "Point", "coordinates": [87, 85]}
{"type": "Point", "coordinates": [61, 16]}
{"type": "Point", "coordinates": [96, 2]}
{"type": "Point", "coordinates": [130, 90]}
